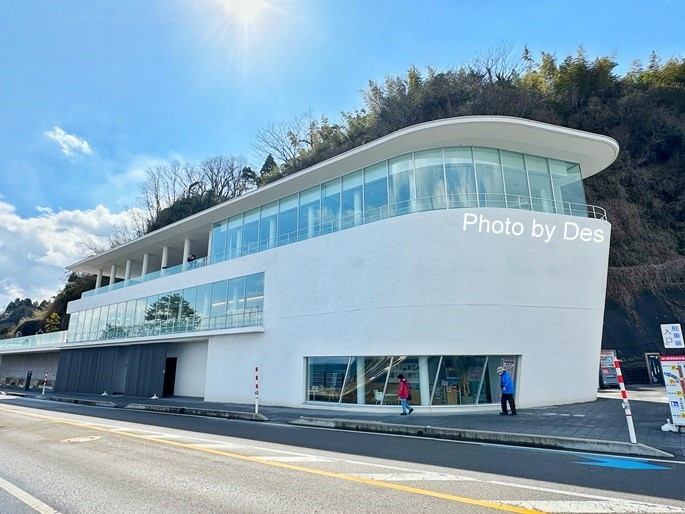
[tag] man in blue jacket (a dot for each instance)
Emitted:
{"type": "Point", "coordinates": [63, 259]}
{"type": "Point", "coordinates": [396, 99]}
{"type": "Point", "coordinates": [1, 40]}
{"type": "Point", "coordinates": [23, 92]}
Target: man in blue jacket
{"type": "Point", "coordinates": [507, 386]}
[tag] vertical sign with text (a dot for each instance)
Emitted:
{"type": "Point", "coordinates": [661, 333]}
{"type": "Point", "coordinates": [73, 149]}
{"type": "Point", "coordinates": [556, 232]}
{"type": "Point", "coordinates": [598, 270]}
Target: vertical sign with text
{"type": "Point", "coordinates": [673, 367]}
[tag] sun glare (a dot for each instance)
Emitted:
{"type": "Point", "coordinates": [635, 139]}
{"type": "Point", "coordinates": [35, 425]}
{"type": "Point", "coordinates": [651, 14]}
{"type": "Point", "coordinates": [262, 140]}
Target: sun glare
{"type": "Point", "coordinates": [245, 11]}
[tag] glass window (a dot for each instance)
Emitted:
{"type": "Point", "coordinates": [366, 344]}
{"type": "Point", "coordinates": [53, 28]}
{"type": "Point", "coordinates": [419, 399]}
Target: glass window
{"type": "Point", "coordinates": [430, 180]}
{"type": "Point", "coordinates": [254, 298]}
{"type": "Point", "coordinates": [489, 177]}
{"type": "Point", "coordinates": [90, 331]}
{"type": "Point", "coordinates": [219, 241]}
{"type": "Point", "coordinates": [401, 185]}
{"type": "Point", "coordinates": [515, 180]}
{"type": "Point", "coordinates": [219, 295]}
{"type": "Point", "coordinates": [234, 236]}
{"type": "Point", "coordinates": [236, 294]}
{"type": "Point", "coordinates": [82, 324]}
{"type": "Point", "coordinates": [376, 192]}
{"type": "Point", "coordinates": [461, 177]}
{"type": "Point", "coordinates": [188, 316]}
{"type": "Point", "coordinates": [102, 325]}
{"type": "Point", "coordinates": [268, 221]}
{"type": "Point", "coordinates": [203, 305]}
{"type": "Point", "coordinates": [330, 208]}
{"type": "Point", "coordinates": [568, 187]}
{"type": "Point", "coordinates": [540, 184]}
{"type": "Point", "coordinates": [352, 203]}
{"type": "Point", "coordinates": [310, 211]}
{"type": "Point", "coordinates": [287, 220]}
{"type": "Point", "coordinates": [250, 232]}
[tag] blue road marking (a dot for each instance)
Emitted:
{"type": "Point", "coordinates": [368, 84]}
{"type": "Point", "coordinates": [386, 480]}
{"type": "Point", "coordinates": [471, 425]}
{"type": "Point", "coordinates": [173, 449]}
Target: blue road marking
{"type": "Point", "coordinates": [615, 462]}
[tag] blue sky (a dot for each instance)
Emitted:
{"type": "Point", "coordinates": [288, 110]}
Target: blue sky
{"type": "Point", "coordinates": [93, 92]}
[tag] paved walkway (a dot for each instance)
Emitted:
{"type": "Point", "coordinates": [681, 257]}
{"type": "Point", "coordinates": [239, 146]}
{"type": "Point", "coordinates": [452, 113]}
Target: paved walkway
{"type": "Point", "coordinates": [592, 426]}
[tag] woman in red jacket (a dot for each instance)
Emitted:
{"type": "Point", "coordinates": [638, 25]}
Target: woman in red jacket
{"type": "Point", "coordinates": [404, 395]}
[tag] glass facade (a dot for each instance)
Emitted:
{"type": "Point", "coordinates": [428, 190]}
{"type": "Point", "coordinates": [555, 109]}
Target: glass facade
{"type": "Point", "coordinates": [433, 380]}
{"type": "Point", "coordinates": [440, 178]}
{"type": "Point", "coordinates": [232, 303]}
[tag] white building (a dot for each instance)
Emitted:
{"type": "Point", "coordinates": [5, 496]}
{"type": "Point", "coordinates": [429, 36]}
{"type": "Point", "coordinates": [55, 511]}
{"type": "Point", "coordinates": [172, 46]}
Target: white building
{"type": "Point", "coordinates": [440, 251]}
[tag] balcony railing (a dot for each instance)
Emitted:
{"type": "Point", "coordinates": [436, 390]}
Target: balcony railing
{"type": "Point", "coordinates": [34, 341]}
{"type": "Point", "coordinates": [457, 201]}
{"type": "Point", "coordinates": [158, 327]}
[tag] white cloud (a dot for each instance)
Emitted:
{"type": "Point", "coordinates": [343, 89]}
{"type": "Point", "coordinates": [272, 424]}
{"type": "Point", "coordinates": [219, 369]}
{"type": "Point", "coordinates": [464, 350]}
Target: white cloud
{"type": "Point", "coordinates": [35, 251]}
{"type": "Point", "coordinates": [69, 143]}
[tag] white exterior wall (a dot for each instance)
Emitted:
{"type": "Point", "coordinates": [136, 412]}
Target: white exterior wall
{"type": "Point", "coordinates": [191, 366]}
{"type": "Point", "coordinates": [423, 284]}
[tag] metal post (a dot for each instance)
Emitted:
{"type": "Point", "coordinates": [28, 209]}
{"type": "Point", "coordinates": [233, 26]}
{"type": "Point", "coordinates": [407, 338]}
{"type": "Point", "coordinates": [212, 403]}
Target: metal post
{"type": "Point", "coordinates": [256, 390]}
{"type": "Point", "coordinates": [626, 405]}
{"type": "Point", "coordinates": [45, 381]}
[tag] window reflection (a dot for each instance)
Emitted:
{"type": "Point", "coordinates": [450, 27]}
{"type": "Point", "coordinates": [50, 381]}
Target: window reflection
{"type": "Point", "coordinates": [448, 380]}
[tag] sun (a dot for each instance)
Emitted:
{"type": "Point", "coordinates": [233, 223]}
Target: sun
{"type": "Point", "coordinates": [246, 11]}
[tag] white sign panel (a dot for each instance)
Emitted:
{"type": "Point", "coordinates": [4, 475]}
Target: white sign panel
{"type": "Point", "coordinates": [672, 335]}
{"type": "Point", "coordinates": [673, 367]}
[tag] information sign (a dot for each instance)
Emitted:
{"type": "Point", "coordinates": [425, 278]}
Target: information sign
{"type": "Point", "coordinates": [672, 335]}
{"type": "Point", "coordinates": [673, 367]}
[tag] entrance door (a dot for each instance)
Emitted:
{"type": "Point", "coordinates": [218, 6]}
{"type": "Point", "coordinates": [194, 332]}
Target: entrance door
{"type": "Point", "coordinates": [169, 376]}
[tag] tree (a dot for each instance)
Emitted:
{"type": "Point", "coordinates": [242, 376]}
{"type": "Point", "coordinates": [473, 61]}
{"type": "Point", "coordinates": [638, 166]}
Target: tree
{"type": "Point", "coordinates": [52, 323]}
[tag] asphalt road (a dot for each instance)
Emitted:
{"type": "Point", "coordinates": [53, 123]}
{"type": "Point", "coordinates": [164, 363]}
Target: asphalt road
{"type": "Point", "coordinates": [74, 458]}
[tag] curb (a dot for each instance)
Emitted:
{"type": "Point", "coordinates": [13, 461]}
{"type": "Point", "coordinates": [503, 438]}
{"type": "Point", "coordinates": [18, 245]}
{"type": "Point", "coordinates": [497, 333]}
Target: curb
{"type": "Point", "coordinates": [457, 434]}
{"type": "Point", "coordinates": [212, 413]}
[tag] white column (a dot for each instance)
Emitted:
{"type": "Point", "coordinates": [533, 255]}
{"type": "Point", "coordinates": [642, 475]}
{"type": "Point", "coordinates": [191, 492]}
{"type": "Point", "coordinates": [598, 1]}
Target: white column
{"type": "Point", "coordinates": [209, 246]}
{"type": "Point", "coordinates": [112, 275]}
{"type": "Point", "coordinates": [186, 250]}
{"type": "Point", "coordinates": [98, 279]}
{"type": "Point", "coordinates": [165, 256]}
{"type": "Point", "coordinates": [146, 262]}
{"type": "Point", "coordinates": [358, 208]}
{"type": "Point", "coordinates": [127, 274]}
{"type": "Point", "coordinates": [424, 381]}
{"type": "Point", "coordinates": [361, 385]}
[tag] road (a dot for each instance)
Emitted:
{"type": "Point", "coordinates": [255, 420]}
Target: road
{"type": "Point", "coordinates": [77, 459]}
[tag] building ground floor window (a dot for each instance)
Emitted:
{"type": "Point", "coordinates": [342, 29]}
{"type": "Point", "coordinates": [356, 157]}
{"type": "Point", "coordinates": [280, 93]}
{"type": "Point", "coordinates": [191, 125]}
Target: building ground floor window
{"type": "Point", "coordinates": [433, 380]}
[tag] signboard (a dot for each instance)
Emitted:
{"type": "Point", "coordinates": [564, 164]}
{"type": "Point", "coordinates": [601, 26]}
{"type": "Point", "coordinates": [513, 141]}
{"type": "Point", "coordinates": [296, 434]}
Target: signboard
{"type": "Point", "coordinates": [607, 371]}
{"type": "Point", "coordinates": [672, 335]}
{"type": "Point", "coordinates": [673, 367]}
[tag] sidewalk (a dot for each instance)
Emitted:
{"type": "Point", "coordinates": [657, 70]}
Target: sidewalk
{"type": "Point", "coordinates": [599, 426]}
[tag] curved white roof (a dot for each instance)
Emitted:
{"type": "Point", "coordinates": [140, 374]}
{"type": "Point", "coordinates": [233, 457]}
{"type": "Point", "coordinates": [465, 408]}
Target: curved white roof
{"type": "Point", "coordinates": [593, 152]}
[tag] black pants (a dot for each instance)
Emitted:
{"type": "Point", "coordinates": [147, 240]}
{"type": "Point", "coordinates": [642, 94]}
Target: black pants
{"type": "Point", "coordinates": [508, 397]}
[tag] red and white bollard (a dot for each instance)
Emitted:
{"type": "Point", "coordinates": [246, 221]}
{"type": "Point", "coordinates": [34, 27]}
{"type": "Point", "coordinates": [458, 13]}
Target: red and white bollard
{"type": "Point", "coordinates": [256, 390]}
{"type": "Point", "coordinates": [626, 405]}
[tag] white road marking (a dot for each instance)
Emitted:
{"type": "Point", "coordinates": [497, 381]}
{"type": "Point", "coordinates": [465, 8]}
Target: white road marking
{"type": "Point", "coordinates": [594, 507]}
{"type": "Point", "coordinates": [26, 498]}
{"type": "Point", "coordinates": [293, 458]}
{"type": "Point", "coordinates": [410, 477]}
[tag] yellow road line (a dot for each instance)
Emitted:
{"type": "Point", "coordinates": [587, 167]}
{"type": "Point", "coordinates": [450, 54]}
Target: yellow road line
{"type": "Point", "coordinates": [293, 467]}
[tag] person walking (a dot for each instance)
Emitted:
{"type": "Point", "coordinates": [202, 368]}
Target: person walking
{"type": "Point", "coordinates": [507, 386]}
{"type": "Point", "coordinates": [404, 395]}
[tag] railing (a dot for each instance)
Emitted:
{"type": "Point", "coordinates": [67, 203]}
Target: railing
{"type": "Point", "coordinates": [246, 318]}
{"type": "Point", "coordinates": [456, 201]}
{"type": "Point", "coordinates": [34, 341]}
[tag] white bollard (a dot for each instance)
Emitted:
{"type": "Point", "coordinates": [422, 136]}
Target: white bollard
{"type": "Point", "coordinates": [256, 390]}
{"type": "Point", "coordinates": [626, 405]}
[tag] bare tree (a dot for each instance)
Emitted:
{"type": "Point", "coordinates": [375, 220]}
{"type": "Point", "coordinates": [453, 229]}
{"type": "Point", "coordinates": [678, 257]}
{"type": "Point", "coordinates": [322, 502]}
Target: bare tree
{"type": "Point", "coordinates": [285, 141]}
{"type": "Point", "coordinates": [224, 176]}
